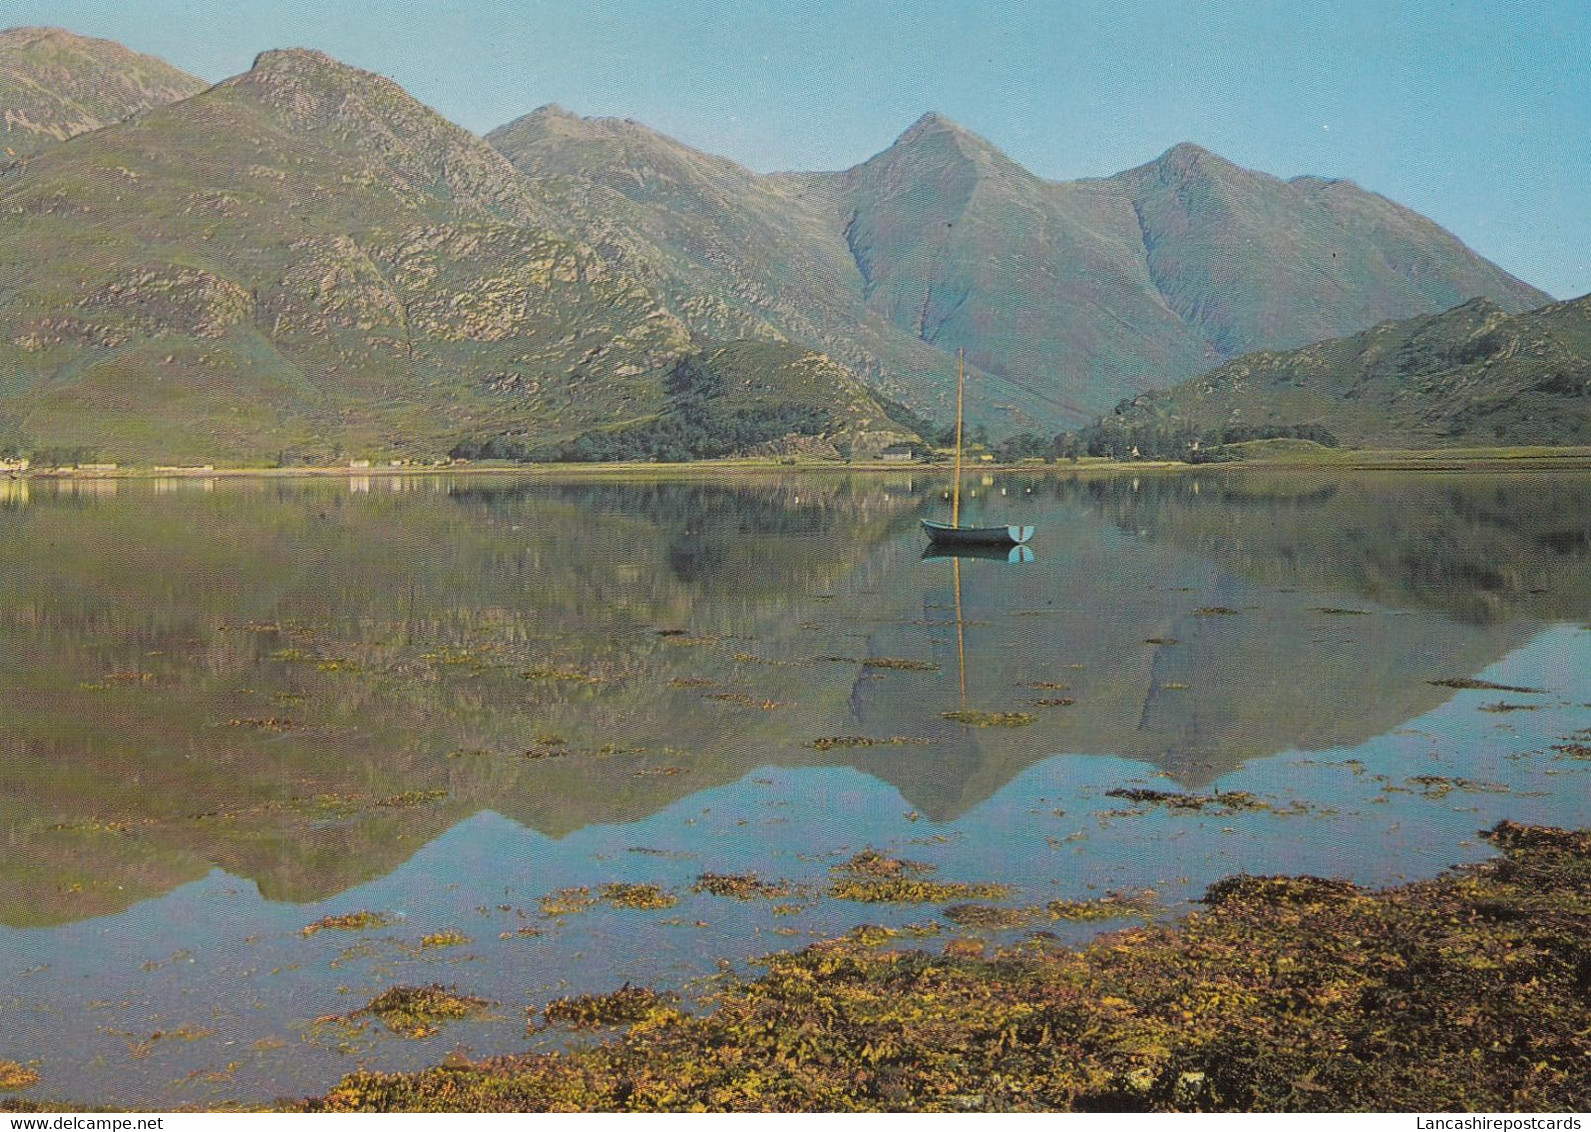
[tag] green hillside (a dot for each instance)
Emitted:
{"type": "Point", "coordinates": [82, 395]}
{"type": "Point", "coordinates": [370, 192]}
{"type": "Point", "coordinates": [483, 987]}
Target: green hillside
{"type": "Point", "coordinates": [1473, 375]}
{"type": "Point", "coordinates": [743, 398]}
{"type": "Point", "coordinates": [55, 85]}
{"type": "Point", "coordinates": [304, 263]}
{"type": "Point", "coordinates": [305, 260]}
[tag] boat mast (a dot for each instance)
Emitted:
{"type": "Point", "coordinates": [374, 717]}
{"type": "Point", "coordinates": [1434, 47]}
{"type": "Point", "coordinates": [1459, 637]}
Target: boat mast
{"type": "Point", "coordinates": [961, 381]}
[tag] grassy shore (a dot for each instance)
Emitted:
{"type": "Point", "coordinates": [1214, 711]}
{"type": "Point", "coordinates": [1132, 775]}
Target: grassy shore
{"type": "Point", "coordinates": [1291, 455]}
{"type": "Point", "coordinates": [1467, 992]}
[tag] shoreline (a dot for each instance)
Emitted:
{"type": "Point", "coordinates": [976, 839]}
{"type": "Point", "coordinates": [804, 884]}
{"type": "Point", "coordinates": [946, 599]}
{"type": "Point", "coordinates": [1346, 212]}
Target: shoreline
{"type": "Point", "coordinates": [1330, 460]}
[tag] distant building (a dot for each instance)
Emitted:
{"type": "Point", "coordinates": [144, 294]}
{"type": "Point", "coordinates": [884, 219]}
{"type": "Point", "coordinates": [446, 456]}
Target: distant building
{"type": "Point", "coordinates": [897, 453]}
{"type": "Point", "coordinates": [20, 464]}
{"type": "Point", "coordinates": [358, 463]}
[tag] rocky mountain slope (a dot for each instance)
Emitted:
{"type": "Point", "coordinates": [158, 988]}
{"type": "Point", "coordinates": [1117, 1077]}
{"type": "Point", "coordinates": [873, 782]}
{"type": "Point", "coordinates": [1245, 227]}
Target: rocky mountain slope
{"type": "Point", "coordinates": [1066, 296]}
{"type": "Point", "coordinates": [304, 260]}
{"type": "Point", "coordinates": [55, 85]}
{"type": "Point", "coordinates": [1473, 375]}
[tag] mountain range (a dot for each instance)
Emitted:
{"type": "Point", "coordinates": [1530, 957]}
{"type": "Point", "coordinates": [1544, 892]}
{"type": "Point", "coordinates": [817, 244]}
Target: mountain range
{"type": "Point", "coordinates": [303, 261]}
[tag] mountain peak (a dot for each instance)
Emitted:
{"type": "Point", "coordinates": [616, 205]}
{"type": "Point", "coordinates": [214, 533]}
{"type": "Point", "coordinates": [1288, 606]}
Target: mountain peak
{"type": "Point", "coordinates": [551, 120]}
{"type": "Point", "coordinates": [31, 36]}
{"type": "Point", "coordinates": [1184, 157]}
{"type": "Point", "coordinates": [934, 131]}
{"type": "Point", "coordinates": [302, 61]}
{"type": "Point", "coordinates": [933, 123]}
{"type": "Point", "coordinates": [553, 111]}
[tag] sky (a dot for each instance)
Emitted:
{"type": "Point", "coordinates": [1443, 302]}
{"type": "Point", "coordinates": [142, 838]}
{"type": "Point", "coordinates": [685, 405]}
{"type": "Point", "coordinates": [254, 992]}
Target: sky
{"type": "Point", "coordinates": [1475, 113]}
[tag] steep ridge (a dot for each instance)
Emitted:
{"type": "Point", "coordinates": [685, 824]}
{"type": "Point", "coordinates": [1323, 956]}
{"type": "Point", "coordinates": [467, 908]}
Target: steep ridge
{"type": "Point", "coordinates": [1043, 284]}
{"type": "Point", "coordinates": [741, 255]}
{"type": "Point", "coordinates": [1251, 262]}
{"type": "Point", "coordinates": [55, 85]}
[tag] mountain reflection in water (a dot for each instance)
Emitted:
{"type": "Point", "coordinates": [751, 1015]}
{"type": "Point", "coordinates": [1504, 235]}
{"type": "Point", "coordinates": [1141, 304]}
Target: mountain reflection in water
{"type": "Point", "coordinates": [302, 684]}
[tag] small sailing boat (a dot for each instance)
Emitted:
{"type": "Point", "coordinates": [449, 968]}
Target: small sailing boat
{"type": "Point", "coordinates": [953, 533]}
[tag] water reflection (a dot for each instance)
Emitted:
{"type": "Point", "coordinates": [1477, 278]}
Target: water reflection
{"type": "Point", "coordinates": [302, 683]}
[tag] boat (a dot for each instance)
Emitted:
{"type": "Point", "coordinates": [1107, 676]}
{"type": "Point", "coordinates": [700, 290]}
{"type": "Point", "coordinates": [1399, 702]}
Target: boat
{"type": "Point", "coordinates": [948, 534]}
{"type": "Point", "coordinates": [953, 533]}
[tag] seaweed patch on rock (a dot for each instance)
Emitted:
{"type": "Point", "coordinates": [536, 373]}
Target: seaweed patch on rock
{"type": "Point", "coordinates": [623, 1007]}
{"type": "Point", "coordinates": [1224, 801]}
{"type": "Point", "coordinates": [419, 1012]}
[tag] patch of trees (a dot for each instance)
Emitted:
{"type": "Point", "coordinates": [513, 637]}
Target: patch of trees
{"type": "Point", "coordinates": [909, 419]}
{"type": "Point", "coordinates": [699, 424]}
{"type": "Point", "coordinates": [1116, 438]}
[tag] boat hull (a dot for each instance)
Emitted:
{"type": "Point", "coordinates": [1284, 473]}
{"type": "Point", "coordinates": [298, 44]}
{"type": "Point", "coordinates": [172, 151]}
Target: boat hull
{"type": "Point", "coordinates": [945, 534]}
{"type": "Point", "coordinates": [993, 551]}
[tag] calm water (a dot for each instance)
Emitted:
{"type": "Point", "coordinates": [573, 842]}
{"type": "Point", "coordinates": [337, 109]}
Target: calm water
{"type": "Point", "coordinates": [233, 708]}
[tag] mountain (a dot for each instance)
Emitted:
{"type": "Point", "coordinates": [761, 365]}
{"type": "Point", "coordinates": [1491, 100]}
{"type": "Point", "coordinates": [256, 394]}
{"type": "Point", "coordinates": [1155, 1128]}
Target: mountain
{"type": "Point", "coordinates": [55, 85]}
{"type": "Point", "coordinates": [305, 261]}
{"type": "Point", "coordinates": [741, 255]}
{"type": "Point", "coordinates": [1065, 296]}
{"type": "Point", "coordinates": [1473, 375]}
{"type": "Point", "coordinates": [1103, 287]}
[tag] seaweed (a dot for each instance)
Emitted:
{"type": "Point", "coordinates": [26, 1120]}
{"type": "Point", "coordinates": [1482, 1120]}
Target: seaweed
{"type": "Point", "coordinates": [639, 896]}
{"type": "Point", "coordinates": [990, 718]}
{"type": "Point", "coordinates": [910, 890]}
{"type": "Point", "coordinates": [990, 917]}
{"type": "Point", "coordinates": [1437, 786]}
{"type": "Point", "coordinates": [15, 1077]}
{"type": "Point", "coordinates": [1111, 906]}
{"type": "Point", "coordinates": [625, 1006]}
{"type": "Point", "coordinates": [745, 700]}
{"type": "Point", "coordinates": [741, 886]}
{"type": "Point", "coordinates": [1467, 682]}
{"type": "Point", "coordinates": [567, 900]}
{"type": "Point", "coordinates": [892, 662]}
{"type": "Point", "coordinates": [349, 922]}
{"type": "Point", "coordinates": [1462, 993]}
{"type": "Point", "coordinates": [419, 1012]}
{"type": "Point", "coordinates": [448, 938]}
{"type": "Point", "coordinates": [1224, 801]}
{"type": "Point", "coordinates": [833, 742]}
{"type": "Point", "coordinates": [872, 863]}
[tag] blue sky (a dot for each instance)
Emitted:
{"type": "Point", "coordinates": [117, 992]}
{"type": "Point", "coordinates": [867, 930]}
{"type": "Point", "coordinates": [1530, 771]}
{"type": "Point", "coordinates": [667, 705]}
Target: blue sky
{"type": "Point", "coordinates": [1477, 114]}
